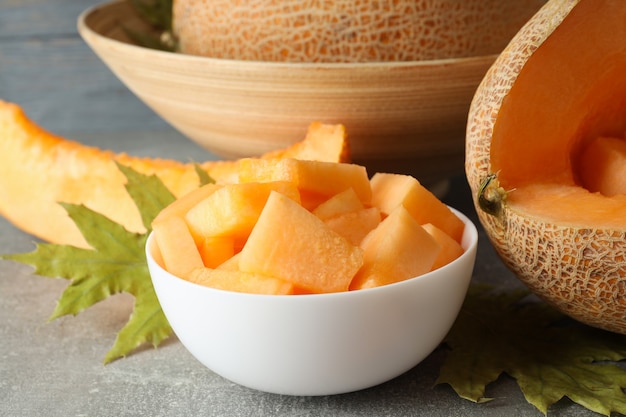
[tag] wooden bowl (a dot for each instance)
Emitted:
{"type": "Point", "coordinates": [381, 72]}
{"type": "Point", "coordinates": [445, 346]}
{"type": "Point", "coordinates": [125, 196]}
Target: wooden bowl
{"type": "Point", "coordinates": [406, 117]}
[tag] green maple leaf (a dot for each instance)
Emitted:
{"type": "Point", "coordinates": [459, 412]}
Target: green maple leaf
{"type": "Point", "coordinates": [115, 263]}
{"type": "Point", "coordinates": [549, 355]}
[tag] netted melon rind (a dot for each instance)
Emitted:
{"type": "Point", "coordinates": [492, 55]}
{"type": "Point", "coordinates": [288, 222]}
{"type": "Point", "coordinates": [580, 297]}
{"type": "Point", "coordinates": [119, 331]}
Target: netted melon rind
{"type": "Point", "coordinates": [581, 271]}
{"type": "Point", "coordinates": [347, 30]}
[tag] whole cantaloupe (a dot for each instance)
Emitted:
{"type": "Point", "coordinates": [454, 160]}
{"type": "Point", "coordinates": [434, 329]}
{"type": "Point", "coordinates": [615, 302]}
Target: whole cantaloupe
{"type": "Point", "coordinates": [557, 87]}
{"type": "Point", "coordinates": [347, 30]}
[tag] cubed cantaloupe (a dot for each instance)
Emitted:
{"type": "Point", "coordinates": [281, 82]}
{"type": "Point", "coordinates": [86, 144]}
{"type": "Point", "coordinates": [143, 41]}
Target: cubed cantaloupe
{"type": "Point", "coordinates": [234, 209]}
{"type": "Point", "coordinates": [355, 225]}
{"type": "Point", "coordinates": [291, 243]}
{"type": "Point", "coordinates": [341, 203]}
{"type": "Point", "coordinates": [392, 190]}
{"type": "Point", "coordinates": [450, 248]}
{"type": "Point", "coordinates": [398, 249]}
{"type": "Point", "coordinates": [313, 177]}
{"type": "Point", "coordinates": [215, 250]}
{"type": "Point", "coordinates": [240, 281]}
{"type": "Point", "coordinates": [181, 206]}
{"type": "Point", "coordinates": [231, 264]}
{"type": "Point", "coordinates": [177, 247]}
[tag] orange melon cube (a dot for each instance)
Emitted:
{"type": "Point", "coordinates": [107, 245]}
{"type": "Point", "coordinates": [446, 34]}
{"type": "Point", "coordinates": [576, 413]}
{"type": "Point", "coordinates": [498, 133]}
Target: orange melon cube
{"type": "Point", "coordinates": [233, 209]}
{"type": "Point", "coordinates": [450, 248]}
{"type": "Point", "coordinates": [231, 264]}
{"type": "Point", "coordinates": [344, 202]}
{"type": "Point", "coordinates": [398, 249]}
{"type": "Point", "coordinates": [315, 177]}
{"type": "Point", "coordinates": [215, 250]}
{"type": "Point", "coordinates": [240, 281]}
{"type": "Point", "coordinates": [392, 190]}
{"type": "Point", "coordinates": [177, 247]}
{"type": "Point", "coordinates": [291, 243]}
{"type": "Point", "coordinates": [181, 206]}
{"type": "Point", "coordinates": [603, 166]}
{"type": "Point", "coordinates": [355, 225]}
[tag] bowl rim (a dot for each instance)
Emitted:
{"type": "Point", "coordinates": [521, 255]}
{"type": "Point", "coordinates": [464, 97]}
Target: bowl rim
{"type": "Point", "coordinates": [470, 233]}
{"type": "Point", "coordinates": [86, 32]}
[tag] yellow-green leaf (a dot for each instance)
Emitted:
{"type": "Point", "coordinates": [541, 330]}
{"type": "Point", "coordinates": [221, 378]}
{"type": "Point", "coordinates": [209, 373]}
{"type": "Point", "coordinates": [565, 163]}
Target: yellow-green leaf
{"type": "Point", "coordinates": [549, 355]}
{"type": "Point", "coordinates": [115, 263]}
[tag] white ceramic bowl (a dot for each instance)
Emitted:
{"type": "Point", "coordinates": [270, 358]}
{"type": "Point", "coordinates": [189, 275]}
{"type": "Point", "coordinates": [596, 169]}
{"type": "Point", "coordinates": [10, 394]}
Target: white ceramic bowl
{"type": "Point", "coordinates": [319, 344]}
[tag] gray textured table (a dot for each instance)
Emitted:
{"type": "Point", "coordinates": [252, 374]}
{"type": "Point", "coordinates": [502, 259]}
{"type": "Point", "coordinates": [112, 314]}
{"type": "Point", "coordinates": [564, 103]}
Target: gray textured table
{"type": "Point", "coordinates": [55, 368]}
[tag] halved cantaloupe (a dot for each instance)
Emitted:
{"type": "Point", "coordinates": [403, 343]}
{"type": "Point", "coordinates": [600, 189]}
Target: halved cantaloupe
{"type": "Point", "coordinates": [347, 30]}
{"type": "Point", "coordinates": [38, 170]}
{"type": "Point", "coordinates": [557, 87]}
{"type": "Point", "coordinates": [392, 190]}
{"type": "Point", "coordinates": [291, 243]}
{"type": "Point", "coordinates": [397, 250]}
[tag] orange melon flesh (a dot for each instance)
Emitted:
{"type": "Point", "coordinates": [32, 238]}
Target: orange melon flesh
{"type": "Point", "coordinates": [559, 103]}
{"type": "Point", "coordinates": [397, 250]}
{"type": "Point", "coordinates": [182, 205]}
{"type": "Point", "coordinates": [344, 202]}
{"type": "Point", "coordinates": [355, 225]}
{"type": "Point", "coordinates": [603, 166]}
{"type": "Point", "coordinates": [291, 243]}
{"type": "Point", "coordinates": [450, 248]}
{"type": "Point", "coordinates": [215, 250]}
{"type": "Point", "coordinates": [391, 190]}
{"type": "Point", "coordinates": [317, 177]}
{"type": "Point", "coordinates": [240, 282]}
{"type": "Point", "coordinates": [177, 247]}
{"type": "Point", "coordinates": [234, 209]}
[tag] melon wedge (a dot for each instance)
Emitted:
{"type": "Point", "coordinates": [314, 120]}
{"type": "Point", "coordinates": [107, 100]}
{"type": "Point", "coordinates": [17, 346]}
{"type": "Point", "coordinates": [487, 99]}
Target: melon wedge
{"type": "Point", "coordinates": [39, 169]}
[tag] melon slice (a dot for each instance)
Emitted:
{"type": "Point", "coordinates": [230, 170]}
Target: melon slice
{"type": "Point", "coordinates": [38, 170]}
{"type": "Point", "coordinates": [398, 249]}
{"type": "Point", "coordinates": [392, 190]}
{"type": "Point", "coordinates": [234, 209]}
{"type": "Point", "coordinates": [291, 243]}
{"type": "Point", "coordinates": [240, 281]}
{"type": "Point", "coordinates": [177, 247]}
